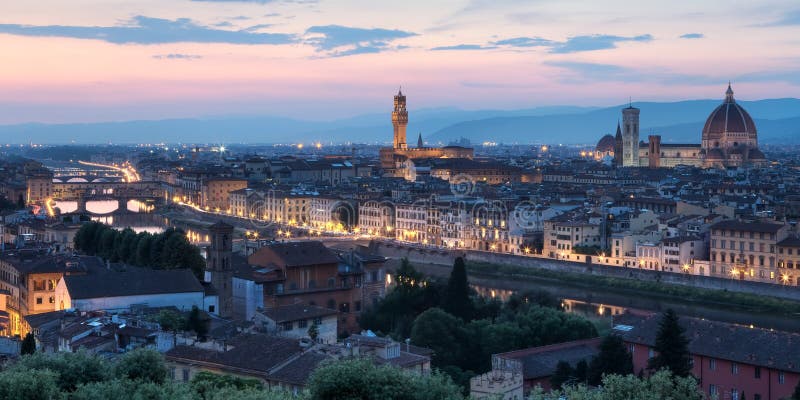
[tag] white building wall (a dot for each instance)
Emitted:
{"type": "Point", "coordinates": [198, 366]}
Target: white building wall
{"type": "Point", "coordinates": [183, 301]}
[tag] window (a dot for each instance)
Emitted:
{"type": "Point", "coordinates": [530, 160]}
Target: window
{"type": "Point", "coordinates": [712, 364]}
{"type": "Point", "coordinates": [186, 374]}
{"type": "Point", "coordinates": [781, 377]}
{"type": "Point", "coordinates": [650, 353]}
{"type": "Point", "coordinates": [713, 391]}
{"type": "Point", "coordinates": [758, 373]}
{"type": "Point", "coordinates": [734, 368]}
{"type": "Point", "coordinates": [211, 308]}
{"type": "Point", "coordinates": [631, 348]}
{"type": "Point", "coordinates": [756, 396]}
{"type": "Point", "coordinates": [287, 326]}
{"type": "Point", "coordinates": [734, 394]}
{"type": "Point", "coordinates": [318, 321]}
{"type": "Point", "coordinates": [303, 323]}
{"type": "Point", "coordinates": [38, 300]}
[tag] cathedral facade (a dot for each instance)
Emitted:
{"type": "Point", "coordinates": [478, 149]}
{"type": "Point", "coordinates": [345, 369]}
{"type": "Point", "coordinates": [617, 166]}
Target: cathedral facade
{"type": "Point", "coordinates": [729, 140]}
{"type": "Point", "coordinates": [394, 159]}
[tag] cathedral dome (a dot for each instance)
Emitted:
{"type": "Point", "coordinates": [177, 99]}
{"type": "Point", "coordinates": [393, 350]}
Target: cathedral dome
{"type": "Point", "coordinates": [715, 154]}
{"type": "Point", "coordinates": [606, 144]}
{"type": "Point", "coordinates": [729, 120]}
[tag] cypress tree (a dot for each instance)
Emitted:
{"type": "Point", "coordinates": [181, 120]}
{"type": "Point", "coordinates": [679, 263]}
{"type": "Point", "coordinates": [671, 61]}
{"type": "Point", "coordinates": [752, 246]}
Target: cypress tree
{"type": "Point", "coordinates": [456, 300]}
{"type": "Point", "coordinates": [562, 375]}
{"type": "Point", "coordinates": [796, 395]}
{"type": "Point", "coordinates": [28, 344]}
{"type": "Point", "coordinates": [671, 346]}
{"type": "Point", "coordinates": [613, 358]}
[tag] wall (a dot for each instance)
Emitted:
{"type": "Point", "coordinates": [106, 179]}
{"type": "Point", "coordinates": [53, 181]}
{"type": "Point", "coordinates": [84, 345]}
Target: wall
{"type": "Point", "coordinates": [445, 257]}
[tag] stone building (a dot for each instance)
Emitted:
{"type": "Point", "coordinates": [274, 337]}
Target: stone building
{"type": "Point", "coordinates": [393, 157]}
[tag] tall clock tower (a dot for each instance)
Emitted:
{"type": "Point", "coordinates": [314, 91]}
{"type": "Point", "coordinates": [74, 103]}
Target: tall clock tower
{"type": "Point", "coordinates": [400, 120]}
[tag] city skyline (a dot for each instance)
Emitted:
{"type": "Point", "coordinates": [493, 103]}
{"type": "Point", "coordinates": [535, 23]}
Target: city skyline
{"type": "Point", "coordinates": [93, 61]}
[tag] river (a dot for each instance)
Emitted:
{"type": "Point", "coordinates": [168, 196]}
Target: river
{"type": "Point", "coordinates": [599, 303]}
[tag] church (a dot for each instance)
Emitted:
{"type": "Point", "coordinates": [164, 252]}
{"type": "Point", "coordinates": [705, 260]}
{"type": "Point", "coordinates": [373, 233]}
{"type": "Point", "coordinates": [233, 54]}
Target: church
{"type": "Point", "coordinates": [729, 140]}
{"type": "Point", "coordinates": [393, 159]}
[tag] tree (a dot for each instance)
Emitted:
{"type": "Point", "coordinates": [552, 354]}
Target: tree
{"type": "Point", "coordinates": [562, 375]}
{"type": "Point", "coordinates": [361, 379]}
{"type": "Point", "coordinates": [671, 347]}
{"type": "Point", "coordinates": [581, 371]}
{"type": "Point", "coordinates": [313, 331]}
{"type": "Point", "coordinates": [207, 384]}
{"type": "Point", "coordinates": [70, 369]}
{"type": "Point", "coordinates": [28, 345]}
{"type": "Point", "coordinates": [457, 296]}
{"type": "Point", "coordinates": [22, 383]}
{"type": "Point", "coordinates": [441, 332]}
{"type": "Point", "coordinates": [660, 386]}
{"type": "Point", "coordinates": [796, 395]}
{"type": "Point", "coordinates": [197, 322]}
{"type": "Point", "coordinates": [142, 364]}
{"type": "Point", "coordinates": [171, 321]}
{"type": "Point", "coordinates": [613, 358]}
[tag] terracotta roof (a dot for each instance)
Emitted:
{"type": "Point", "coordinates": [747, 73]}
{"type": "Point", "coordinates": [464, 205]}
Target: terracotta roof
{"type": "Point", "coordinates": [257, 353]}
{"type": "Point", "coordinates": [734, 225]}
{"type": "Point", "coordinates": [297, 312]}
{"type": "Point", "coordinates": [296, 254]}
{"type": "Point", "coordinates": [134, 282]}
{"type": "Point", "coordinates": [754, 346]}
{"type": "Point", "coordinates": [540, 362]}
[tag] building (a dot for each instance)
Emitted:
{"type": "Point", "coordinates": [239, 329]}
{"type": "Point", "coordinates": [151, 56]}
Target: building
{"type": "Point", "coordinates": [729, 139]}
{"type": "Point", "coordinates": [215, 192]}
{"type": "Point", "coordinates": [746, 250]}
{"type": "Point", "coordinates": [119, 289]}
{"type": "Point", "coordinates": [728, 360]}
{"type": "Point", "coordinates": [306, 272]}
{"type": "Point", "coordinates": [219, 267]}
{"type": "Point", "coordinates": [294, 320]}
{"type": "Point", "coordinates": [538, 364]}
{"type": "Point", "coordinates": [39, 185]}
{"type": "Point", "coordinates": [392, 158]}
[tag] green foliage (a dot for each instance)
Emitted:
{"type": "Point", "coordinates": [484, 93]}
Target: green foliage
{"type": "Point", "coordinates": [167, 250]}
{"type": "Point", "coordinates": [142, 365]}
{"type": "Point", "coordinates": [672, 347]}
{"type": "Point", "coordinates": [170, 320]}
{"type": "Point", "coordinates": [442, 333]}
{"type": "Point", "coordinates": [313, 331]}
{"type": "Point", "coordinates": [796, 395]}
{"type": "Point", "coordinates": [613, 358]}
{"type": "Point", "coordinates": [660, 386]}
{"type": "Point", "coordinates": [197, 322]}
{"type": "Point", "coordinates": [457, 300]}
{"type": "Point", "coordinates": [138, 375]}
{"type": "Point", "coordinates": [361, 379]}
{"type": "Point", "coordinates": [28, 384]}
{"type": "Point", "coordinates": [207, 384]}
{"type": "Point", "coordinates": [28, 345]}
{"type": "Point", "coordinates": [564, 374]}
{"type": "Point", "coordinates": [133, 390]}
{"type": "Point", "coordinates": [69, 369]}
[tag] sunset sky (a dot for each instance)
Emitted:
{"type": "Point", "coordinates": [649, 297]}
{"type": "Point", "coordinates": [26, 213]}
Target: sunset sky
{"type": "Point", "coordinates": [106, 60]}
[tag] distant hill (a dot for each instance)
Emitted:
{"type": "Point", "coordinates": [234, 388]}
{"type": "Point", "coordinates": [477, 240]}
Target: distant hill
{"type": "Point", "coordinates": [777, 120]}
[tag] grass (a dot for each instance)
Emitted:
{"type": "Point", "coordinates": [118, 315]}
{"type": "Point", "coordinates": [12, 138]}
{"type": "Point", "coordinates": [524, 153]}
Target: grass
{"type": "Point", "coordinates": [649, 288]}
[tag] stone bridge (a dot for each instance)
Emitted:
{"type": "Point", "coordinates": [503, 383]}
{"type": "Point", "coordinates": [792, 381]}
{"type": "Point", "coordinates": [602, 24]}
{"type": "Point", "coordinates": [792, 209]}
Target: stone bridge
{"type": "Point", "coordinates": [81, 192]}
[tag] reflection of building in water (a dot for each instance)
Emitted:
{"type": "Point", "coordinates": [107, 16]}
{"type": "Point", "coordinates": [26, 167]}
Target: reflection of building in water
{"type": "Point", "coordinates": [493, 293]}
{"type": "Point", "coordinates": [590, 309]}
{"type": "Point", "coordinates": [569, 305]}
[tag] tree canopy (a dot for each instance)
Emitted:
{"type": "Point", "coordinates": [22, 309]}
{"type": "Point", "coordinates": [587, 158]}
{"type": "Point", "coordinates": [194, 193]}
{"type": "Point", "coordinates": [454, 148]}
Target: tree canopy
{"type": "Point", "coordinates": [613, 358]}
{"type": "Point", "coordinates": [660, 386]}
{"type": "Point", "coordinates": [457, 299]}
{"type": "Point", "coordinates": [167, 250]}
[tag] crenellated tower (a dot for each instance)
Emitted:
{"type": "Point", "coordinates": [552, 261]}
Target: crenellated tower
{"type": "Point", "coordinates": [219, 271]}
{"type": "Point", "coordinates": [400, 120]}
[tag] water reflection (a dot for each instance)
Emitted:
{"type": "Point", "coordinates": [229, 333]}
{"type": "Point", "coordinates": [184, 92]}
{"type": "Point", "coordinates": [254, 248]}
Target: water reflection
{"type": "Point", "coordinates": [583, 308]}
{"type": "Point", "coordinates": [103, 207]}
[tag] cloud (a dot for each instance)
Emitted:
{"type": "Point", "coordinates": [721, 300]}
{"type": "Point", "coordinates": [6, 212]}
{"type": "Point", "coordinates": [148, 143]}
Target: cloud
{"type": "Point", "coordinates": [147, 30]}
{"type": "Point", "coordinates": [524, 42]}
{"type": "Point", "coordinates": [582, 72]}
{"type": "Point", "coordinates": [177, 56]}
{"type": "Point", "coordinates": [236, 1]}
{"type": "Point", "coordinates": [257, 27]}
{"type": "Point", "coordinates": [692, 36]}
{"type": "Point", "coordinates": [787, 19]}
{"type": "Point", "coordinates": [338, 41]}
{"type": "Point", "coordinates": [595, 42]}
{"type": "Point", "coordinates": [463, 47]}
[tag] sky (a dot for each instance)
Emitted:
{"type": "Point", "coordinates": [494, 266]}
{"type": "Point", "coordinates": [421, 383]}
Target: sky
{"type": "Point", "coordinates": [112, 60]}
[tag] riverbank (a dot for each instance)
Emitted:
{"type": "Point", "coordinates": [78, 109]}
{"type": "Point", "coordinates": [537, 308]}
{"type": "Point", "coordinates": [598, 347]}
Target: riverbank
{"type": "Point", "coordinates": [753, 302]}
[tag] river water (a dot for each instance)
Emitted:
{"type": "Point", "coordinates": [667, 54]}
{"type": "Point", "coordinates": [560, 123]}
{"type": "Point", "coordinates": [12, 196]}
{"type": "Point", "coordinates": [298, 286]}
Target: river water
{"type": "Point", "coordinates": [598, 303]}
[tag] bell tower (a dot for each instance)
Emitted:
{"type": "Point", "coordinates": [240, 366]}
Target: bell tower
{"type": "Point", "coordinates": [218, 266]}
{"type": "Point", "coordinates": [400, 120]}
